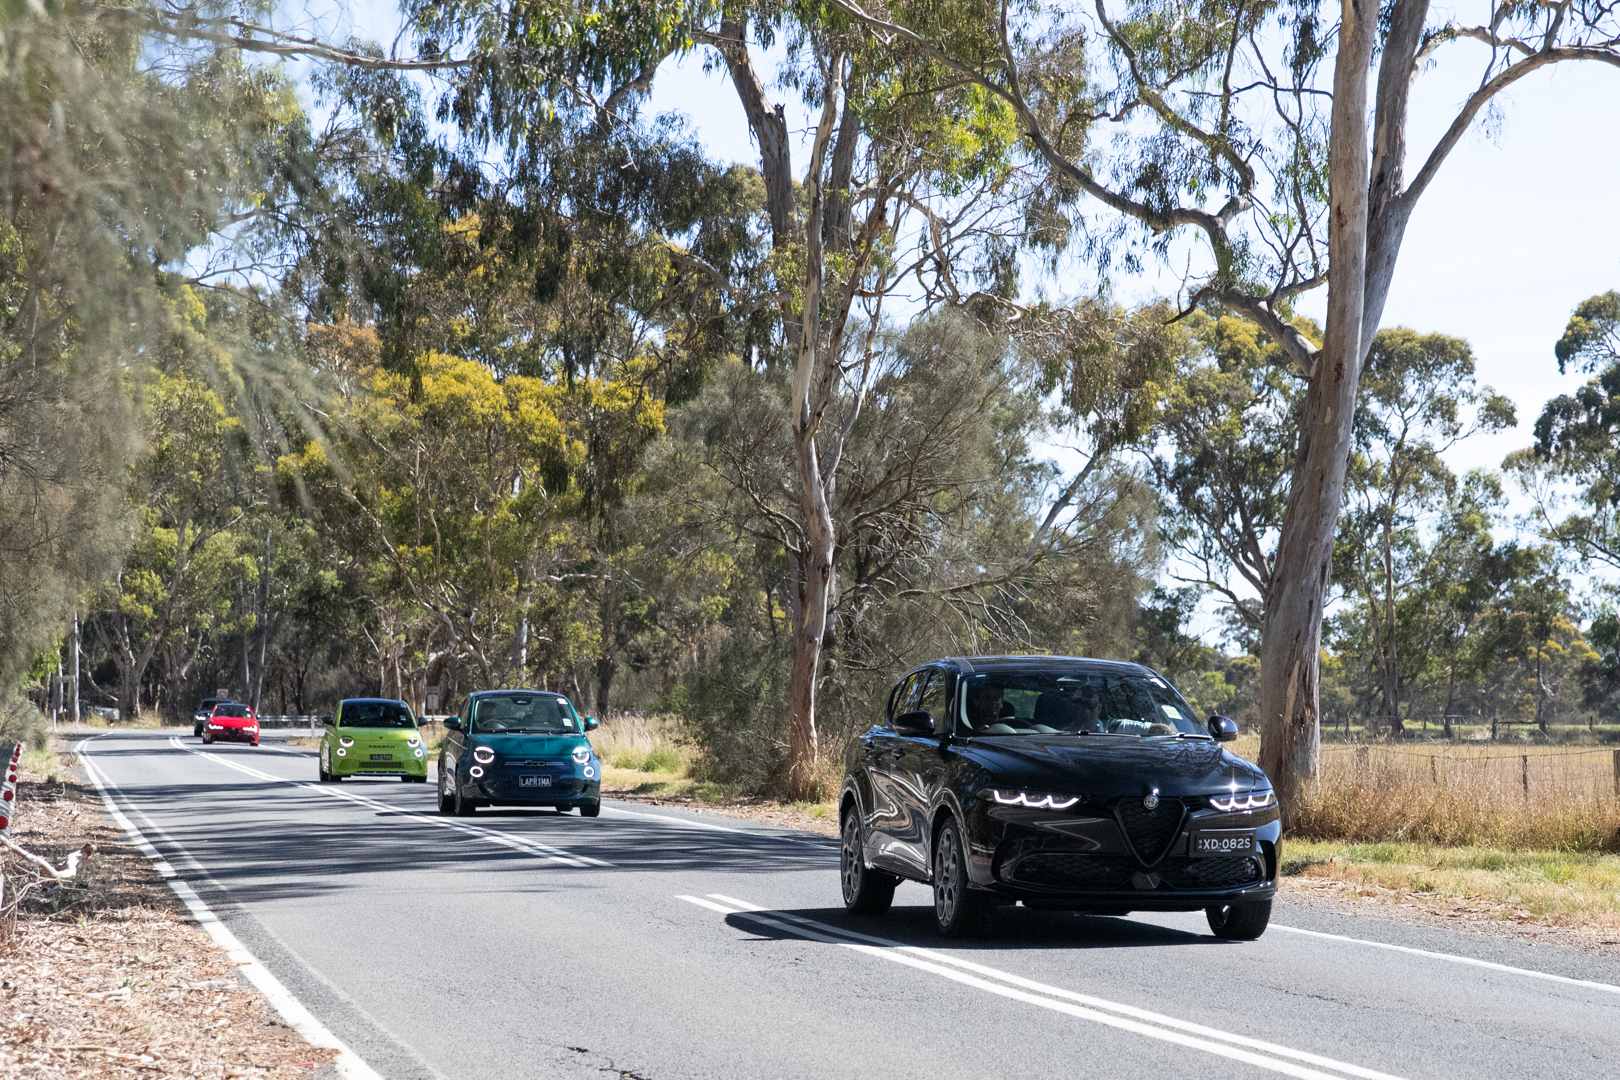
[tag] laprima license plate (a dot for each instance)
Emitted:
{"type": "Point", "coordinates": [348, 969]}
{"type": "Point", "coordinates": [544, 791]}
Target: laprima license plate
{"type": "Point", "coordinates": [382, 757]}
{"type": "Point", "coordinates": [534, 781]}
{"type": "Point", "coordinates": [1223, 842]}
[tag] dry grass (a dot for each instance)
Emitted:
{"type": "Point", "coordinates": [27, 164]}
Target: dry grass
{"type": "Point", "coordinates": [639, 742]}
{"type": "Point", "coordinates": [107, 977]}
{"type": "Point", "coordinates": [1530, 889]}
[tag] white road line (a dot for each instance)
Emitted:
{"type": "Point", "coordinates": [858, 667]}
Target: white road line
{"type": "Point", "coordinates": [300, 1019]}
{"type": "Point", "coordinates": [744, 907]}
{"type": "Point", "coordinates": [1455, 959]}
{"type": "Point", "coordinates": [545, 852]}
{"type": "Point", "coordinates": [1165, 1029]}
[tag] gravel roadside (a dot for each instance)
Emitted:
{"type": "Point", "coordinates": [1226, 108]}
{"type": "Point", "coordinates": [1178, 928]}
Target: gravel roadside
{"type": "Point", "coordinates": [107, 976]}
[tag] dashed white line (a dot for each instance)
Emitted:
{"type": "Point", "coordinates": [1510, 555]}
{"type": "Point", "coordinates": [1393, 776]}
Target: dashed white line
{"type": "Point", "coordinates": [494, 836]}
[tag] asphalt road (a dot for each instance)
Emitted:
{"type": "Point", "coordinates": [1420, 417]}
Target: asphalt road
{"type": "Point", "coordinates": [659, 945]}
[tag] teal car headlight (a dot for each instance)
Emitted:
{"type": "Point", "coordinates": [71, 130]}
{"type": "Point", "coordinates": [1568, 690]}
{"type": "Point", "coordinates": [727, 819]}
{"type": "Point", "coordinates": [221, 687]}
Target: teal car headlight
{"type": "Point", "coordinates": [582, 755]}
{"type": "Point", "coordinates": [483, 755]}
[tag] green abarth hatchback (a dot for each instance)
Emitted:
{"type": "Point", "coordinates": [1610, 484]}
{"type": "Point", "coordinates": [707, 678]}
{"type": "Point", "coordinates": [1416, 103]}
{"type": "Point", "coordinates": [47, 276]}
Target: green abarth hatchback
{"type": "Point", "coordinates": [373, 737]}
{"type": "Point", "coordinates": [519, 748]}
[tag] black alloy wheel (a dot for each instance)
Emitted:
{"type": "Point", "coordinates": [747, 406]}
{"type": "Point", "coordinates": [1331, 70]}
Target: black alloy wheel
{"type": "Point", "coordinates": [866, 891]}
{"type": "Point", "coordinates": [959, 911]}
{"type": "Point", "coordinates": [1243, 921]}
{"type": "Point", "coordinates": [590, 809]}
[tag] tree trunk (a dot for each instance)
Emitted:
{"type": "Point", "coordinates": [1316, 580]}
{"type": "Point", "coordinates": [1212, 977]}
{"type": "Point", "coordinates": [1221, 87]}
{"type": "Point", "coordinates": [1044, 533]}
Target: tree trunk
{"type": "Point", "coordinates": [1290, 697]}
{"type": "Point", "coordinates": [815, 591]}
{"type": "Point", "coordinates": [605, 667]}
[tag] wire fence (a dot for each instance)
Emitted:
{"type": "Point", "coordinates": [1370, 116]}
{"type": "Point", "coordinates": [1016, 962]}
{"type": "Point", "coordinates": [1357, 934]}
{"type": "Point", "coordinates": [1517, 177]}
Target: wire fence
{"type": "Point", "coordinates": [1536, 769]}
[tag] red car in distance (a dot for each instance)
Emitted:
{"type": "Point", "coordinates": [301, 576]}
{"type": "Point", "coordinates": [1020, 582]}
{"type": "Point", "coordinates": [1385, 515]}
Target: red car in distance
{"type": "Point", "coordinates": [232, 721]}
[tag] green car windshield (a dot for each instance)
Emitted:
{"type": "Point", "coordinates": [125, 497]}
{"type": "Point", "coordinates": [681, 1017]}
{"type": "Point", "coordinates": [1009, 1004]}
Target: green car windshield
{"type": "Point", "coordinates": [375, 714]}
{"type": "Point", "coordinates": [523, 714]}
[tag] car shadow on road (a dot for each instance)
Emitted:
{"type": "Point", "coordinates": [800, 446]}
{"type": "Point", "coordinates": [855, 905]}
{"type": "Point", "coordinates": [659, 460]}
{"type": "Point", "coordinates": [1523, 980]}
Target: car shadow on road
{"type": "Point", "coordinates": [1011, 928]}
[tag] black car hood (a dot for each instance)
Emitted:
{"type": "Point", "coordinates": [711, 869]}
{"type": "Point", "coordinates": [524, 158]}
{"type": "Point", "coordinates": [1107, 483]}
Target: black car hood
{"type": "Point", "coordinates": [1108, 765]}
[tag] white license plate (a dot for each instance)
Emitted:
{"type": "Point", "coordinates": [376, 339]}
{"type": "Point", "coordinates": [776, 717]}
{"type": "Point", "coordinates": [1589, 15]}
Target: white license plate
{"type": "Point", "coordinates": [534, 781]}
{"type": "Point", "coordinates": [1223, 842]}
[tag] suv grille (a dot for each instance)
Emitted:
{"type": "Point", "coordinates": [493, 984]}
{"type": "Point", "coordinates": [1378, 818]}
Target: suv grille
{"type": "Point", "coordinates": [1074, 870]}
{"type": "Point", "coordinates": [1150, 832]}
{"type": "Point", "coordinates": [1219, 873]}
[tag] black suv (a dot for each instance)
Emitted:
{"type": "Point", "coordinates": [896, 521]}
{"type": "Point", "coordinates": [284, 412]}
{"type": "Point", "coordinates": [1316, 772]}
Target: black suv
{"type": "Point", "coordinates": [1066, 784]}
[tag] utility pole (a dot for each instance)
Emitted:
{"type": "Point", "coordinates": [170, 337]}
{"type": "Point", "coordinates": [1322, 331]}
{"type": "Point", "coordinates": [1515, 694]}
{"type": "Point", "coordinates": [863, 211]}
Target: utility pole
{"type": "Point", "coordinates": [75, 675]}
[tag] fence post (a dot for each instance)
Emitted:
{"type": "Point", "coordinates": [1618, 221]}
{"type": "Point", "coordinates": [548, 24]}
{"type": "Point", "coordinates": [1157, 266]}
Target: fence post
{"type": "Point", "coordinates": [1524, 773]}
{"type": "Point", "coordinates": [1434, 771]}
{"type": "Point", "coordinates": [1617, 774]}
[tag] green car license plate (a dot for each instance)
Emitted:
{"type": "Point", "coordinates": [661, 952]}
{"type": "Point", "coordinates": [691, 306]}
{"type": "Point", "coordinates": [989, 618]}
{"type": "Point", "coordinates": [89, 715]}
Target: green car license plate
{"type": "Point", "coordinates": [382, 757]}
{"type": "Point", "coordinates": [1216, 842]}
{"type": "Point", "coordinates": [534, 781]}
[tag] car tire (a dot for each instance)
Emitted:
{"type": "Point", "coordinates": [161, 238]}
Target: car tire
{"type": "Point", "coordinates": [866, 891]}
{"type": "Point", "coordinates": [447, 802]}
{"type": "Point", "coordinates": [590, 809]}
{"type": "Point", "coordinates": [1242, 921]}
{"type": "Point", "coordinates": [959, 910]}
{"type": "Point", "coordinates": [255, 742]}
{"type": "Point", "coordinates": [208, 740]}
{"type": "Point", "coordinates": [463, 807]}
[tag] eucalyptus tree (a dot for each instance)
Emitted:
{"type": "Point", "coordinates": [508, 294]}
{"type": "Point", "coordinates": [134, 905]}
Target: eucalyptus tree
{"type": "Point", "coordinates": [1578, 439]}
{"type": "Point", "coordinates": [1419, 399]}
{"type": "Point", "coordinates": [1223, 121]}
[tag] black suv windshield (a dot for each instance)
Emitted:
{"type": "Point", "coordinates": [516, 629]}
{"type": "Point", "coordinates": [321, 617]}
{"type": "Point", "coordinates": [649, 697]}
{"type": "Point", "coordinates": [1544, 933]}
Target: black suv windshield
{"type": "Point", "coordinates": [522, 713]}
{"type": "Point", "coordinates": [375, 714]}
{"type": "Point", "coordinates": [1070, 702]}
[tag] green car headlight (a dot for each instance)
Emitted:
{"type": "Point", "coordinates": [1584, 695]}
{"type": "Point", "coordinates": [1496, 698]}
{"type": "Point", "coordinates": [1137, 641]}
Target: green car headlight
{"type": "Point", "coordinates": [418, 751]}
{"type": "Point", "coordinates": [342, 752]}
{"type": "Point", "coordinates": [344, 740]}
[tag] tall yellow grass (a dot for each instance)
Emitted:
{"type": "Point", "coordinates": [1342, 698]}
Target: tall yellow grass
{"type": "Point", "coordinates": [1486, 796]}
{"type": "Point", "coordinates": [641, 741]}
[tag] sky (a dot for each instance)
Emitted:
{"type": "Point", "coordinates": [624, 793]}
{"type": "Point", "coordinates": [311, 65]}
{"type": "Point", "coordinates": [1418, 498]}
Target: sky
{"type": "Point", "coordinates": [1521, 224]}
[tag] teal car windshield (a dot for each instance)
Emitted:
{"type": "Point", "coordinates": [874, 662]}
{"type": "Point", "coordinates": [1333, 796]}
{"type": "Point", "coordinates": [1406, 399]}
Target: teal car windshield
{"type": "Point", "coordinates": [376, 714]}
{"type": "Point", "coordinates": [523, 714]}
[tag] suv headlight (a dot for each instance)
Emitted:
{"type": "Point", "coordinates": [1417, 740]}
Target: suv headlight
{"type": "Point", "coordinates": [1244, 800]}
{"type": "Point", "coordinates": [483, 755]}
{"type": "Point", "coordinates": [1034, 800]}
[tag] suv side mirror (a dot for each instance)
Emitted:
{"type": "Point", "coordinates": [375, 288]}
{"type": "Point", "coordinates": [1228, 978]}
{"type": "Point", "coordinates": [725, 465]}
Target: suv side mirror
{"type": "Point", "coordinates": [1223, 728]}
{"type": "Point", "coordinates": [591, 723]}
{"type": "Point", "coordinates": [452, 723]}
{"type": "Point", "coordinates": [916, 722]}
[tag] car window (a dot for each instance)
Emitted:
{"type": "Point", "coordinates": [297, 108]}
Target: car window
{"type": "Point", "coordinates": [1064, 701]}
{"type": "Point", "coordinates": [232, 710]}
{"type": "Point", "coordinates": [526, 714]}
{"type": "Point", "coordinates": [905, 694]}
{"type": "Point", "coordinates": [374, 714]}
{"type": "Point", "coordinates": [932, 698]}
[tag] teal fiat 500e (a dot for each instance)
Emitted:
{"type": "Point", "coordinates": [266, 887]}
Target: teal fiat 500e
{"type": "Point", "coordinates": [519, 748]}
